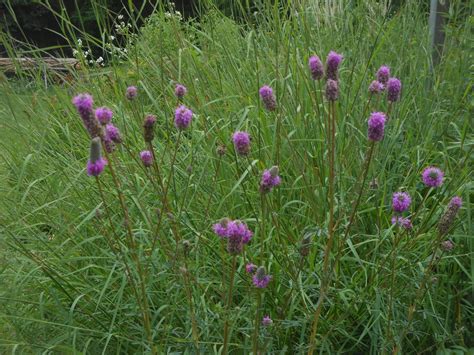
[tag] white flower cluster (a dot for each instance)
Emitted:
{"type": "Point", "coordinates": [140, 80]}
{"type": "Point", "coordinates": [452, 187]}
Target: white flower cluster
{"type": "Point", "coordinates": [86, 55]}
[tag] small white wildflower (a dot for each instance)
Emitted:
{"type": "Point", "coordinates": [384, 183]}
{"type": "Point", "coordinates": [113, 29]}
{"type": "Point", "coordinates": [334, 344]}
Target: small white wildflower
{"type": "Point", "coordinates": [122, 24]}
{"type": "Point", "coordinates": [111, 38]}
{"type": "Point", "coordinates": [99, 60]}
{"type": "Point", "coordinates": [120, 17]}
{"type": "Point", "coordinates": [91, 61]}
{"type": "Point", "coordinates": [75, 52]}
{"type": "Point", "coordinates": [86, 53]}
{"type": "Point", "coordinates": [79, 42]}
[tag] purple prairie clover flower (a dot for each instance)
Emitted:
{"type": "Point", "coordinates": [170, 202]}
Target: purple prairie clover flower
{"type": "Point", "coordinates": [241, 142]}
{"type": "Point", "coordinates": [84, 104]}
{"type": "Point", "coordinates": [268, 98]}
{"type": "Point", "coordinates": [383, 74]}
{"type": "Point", "coordinates": [96, 163]}
{"type": "Point", "coordinates": [376, 87]}
{"type": "Point", "coordinates": [447, 218]}
{"type": "Point", "coordinates": [394, 86]}
{"type": "Point", "coordinates": [332, 90]}
{"type": "Point", "coordinates": [447, 245]}
{"type": "Point", "coordinates": [182, 117]}
{"type": "Point", "coordinates": [109, 145]}
{"type": "Point", "coordinates": [147, 158]}
{"type": "Point", "coordinates": [250, 268]}
{"type": "Point", "coordinates": [221, 228]}
{"type": "Point", "coordinates": [270, 179]}
{"type": "Point", "coordinates": [103, 115]}
{"type": "Point", "coordinates": [332, 65]}
{"type": "Point", "coordinates": [267, 321]}
{"type": "Point", "coordinates": [316, 67]}
{"type": "Point", "coordinates": [402, 222]}
{"type": "Point", "coordinates": [113, 133]}
{"type": "Point", "coordinates": [148, 126]}
{"type": "Point", "coordinates": [261, 279]}
{"type": "Point", "coordinates": [401, 201]}
{"type": "Point", "coordinates": [376, 123]}
{"type": "Point", "coordinates": [180, 91]}
{"type": "Point", "coordinates": [432, 176]}
{"type": "Point", "coordinates": [131, 93]}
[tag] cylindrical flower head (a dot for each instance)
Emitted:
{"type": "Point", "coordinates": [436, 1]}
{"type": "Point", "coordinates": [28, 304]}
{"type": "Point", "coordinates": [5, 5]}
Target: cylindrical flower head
{"type": "Point", "coordinates": [147, 158]}
{"type": "Point", "coordinates": [261, 279]}
{"type": "Point", "coordinates": [447, 245]}
{"type": "Point", "coordinates": [96, 163]}
{"type": "Point", "coordinates": [332, 90]}
{"type": "Point", "coordinates": [270, 179]}
{"type": "Point", "coordinates": [241, 142]}
{"type": "Point", "coordinates": [401, 201]}
{"type": "Point", "coordinates": [432, 176]}
{"type": "Point", "coordinates": [376, 127]}
{"type": "Point", "coordinates": [394, 86]}
{"type": "Point", "coordinates": [113, 133]}
{"type": "Point", "coordinates": [332, 65]}
{"type": "Point", "coordinates": [316, 67]}
{"type": "Point", "coordinates": [182, 117]}
{"type": "Point", "coordinates": [131, 92]}
{"type": "Point", "coordinates": [180, 91]}
{"type": "Point", "coordinates": [148, 128]}
{"type": "Point", "coordinates": [103, 115]}
{"type": "Point", "coordinates": [267, 321]}
{"type": "Point", "coordinates": [109, 145]}
{"type": "Point", "coordinates": [221, 228]}
{"type": "Point", "coordinates": [268, 98]}
{"type": "Point", "coordinates": [250, 268]}
{"type": "Point", "coordinates": [84, 104]}
{"type": "Point", "coordinates": [447, 218]}
{"type": "Point", "coordinates": [402, 222]}
{"type": "Point", "coordinates": [376, 87]}
{"type": "Point", "coordinates": [383, 74]}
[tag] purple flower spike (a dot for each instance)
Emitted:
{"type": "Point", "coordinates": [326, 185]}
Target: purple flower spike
{"type": "Point", "coordinates": [96, 163]}
{"type": "Point", "coordinates": [148, 126]}
{"type": "Point", "coordinates": [261, 279]}
{"type": "Point", "coordinates": [401, 201]}
{"type": "Point", "coordinates": [316, 67]}
{"type": "Point", "coordinates": [131, 93]}
{"type": "Point", "coordinates": [267, 321]}
{"type": "Point", "coordinates": [103, 115]}
{"type": "Point", "coordinates": [113, 133]}
{"type": "Point", "coordinates": [447, 218]}
{"type": "Point", "coordinates": [402, 222]}
{"type": "Point", "coordinates": [270, 179]}
{"type": "Point", "coordinates": [221, 228]}
{"type": "Point", "coordinates": [250, 268]}
{"type": "Point", "coordinates": [241, 142]}
{"type": "Point", "coordinates": [376, 127]}
{"type": "Point", "coordinates": [394, 86]}
{"type": "Point", "coordinates": [147, 158]}
{"type": "Point", "coordinates": [383, 74]}
{"type": "Point", "coordinates": [376, 87]}
{"type": "Point", "coordinates": [180, 91]}
{"type": "Point", "coordinates": [84, 103]}
{"type": "Point", "coordinates": [236, 232]}
{"type": "Point", "coordinates": [332, 65]}
{"type": "Point", "coordinates": [332, 90]}
{"type": "Point", "coordinates": [432, 176]}
{"type": "Point", "coordinates": [182, 117]}
{"type": "Point", "coordinates": [268, 98]}
{"type": "Point", "coordinates": [447, 245]}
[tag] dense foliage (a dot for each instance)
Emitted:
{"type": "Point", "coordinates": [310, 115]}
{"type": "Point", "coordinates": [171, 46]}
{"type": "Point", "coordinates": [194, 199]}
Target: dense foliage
{"type": "Point", "coordinates": [129, 261]}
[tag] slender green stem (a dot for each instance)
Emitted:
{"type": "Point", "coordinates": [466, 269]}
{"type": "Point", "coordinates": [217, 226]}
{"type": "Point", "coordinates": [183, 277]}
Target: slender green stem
{"type": "Point", "coordinates": [229, 303]}
{"type": "Point", "coordinates": [257, 323]}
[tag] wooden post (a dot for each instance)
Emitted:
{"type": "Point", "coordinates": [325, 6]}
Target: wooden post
{"type": "Point", "coordinates": [438, 9]}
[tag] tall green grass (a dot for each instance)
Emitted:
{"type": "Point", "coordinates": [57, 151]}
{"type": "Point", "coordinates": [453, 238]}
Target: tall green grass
{"type": "Point", "coordinates": [64, 290]}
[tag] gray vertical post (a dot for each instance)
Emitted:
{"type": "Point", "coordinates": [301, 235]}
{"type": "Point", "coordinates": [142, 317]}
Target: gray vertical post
{"type": "Point", "coordinates": [437, 21]}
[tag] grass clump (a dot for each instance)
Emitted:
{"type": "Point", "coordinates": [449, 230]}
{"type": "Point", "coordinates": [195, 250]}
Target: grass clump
{"type": "Point", "coordinates": [192, 239]}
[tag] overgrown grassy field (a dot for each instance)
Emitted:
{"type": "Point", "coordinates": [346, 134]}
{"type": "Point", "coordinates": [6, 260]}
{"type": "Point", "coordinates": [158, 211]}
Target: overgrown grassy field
{"type": "Point", "coordinates": [129, 262]}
